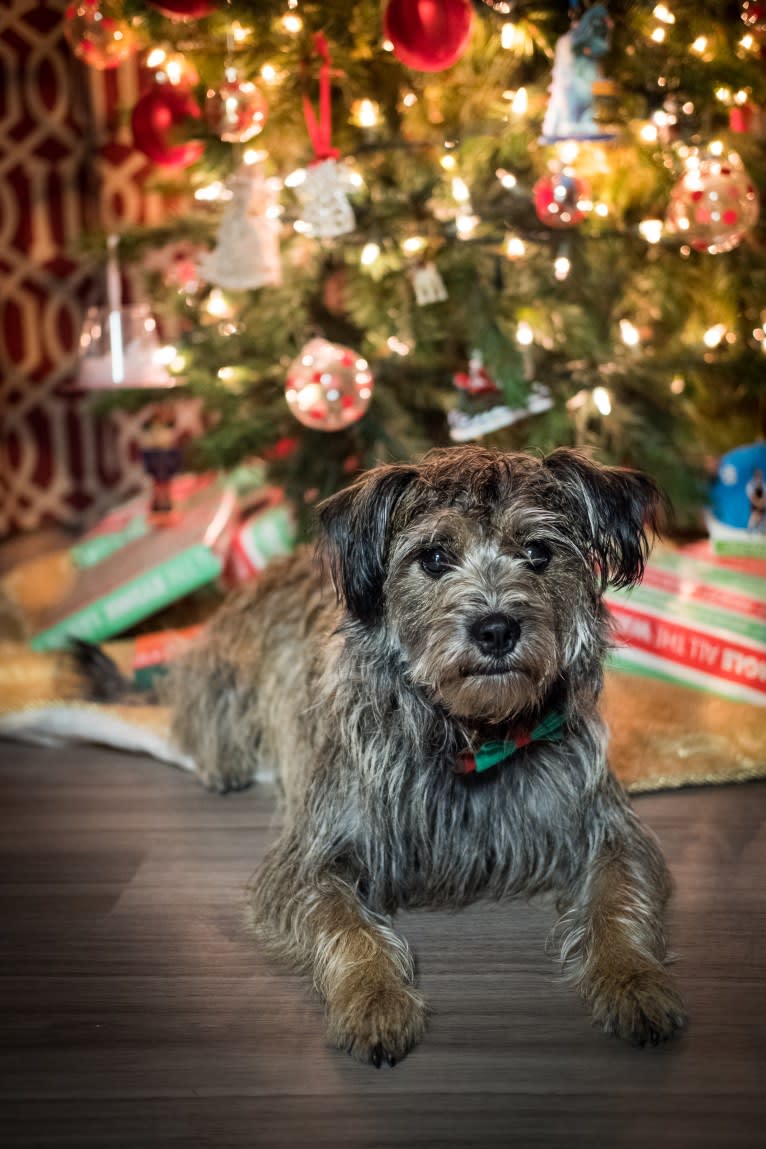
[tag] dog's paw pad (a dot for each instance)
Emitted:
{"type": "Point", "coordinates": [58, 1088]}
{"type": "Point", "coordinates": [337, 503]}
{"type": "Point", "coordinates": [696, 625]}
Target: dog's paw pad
{"type": "Point", "coordinates": [377, 1024]}
{"type": "Point", "coordinates": [641, 1007]}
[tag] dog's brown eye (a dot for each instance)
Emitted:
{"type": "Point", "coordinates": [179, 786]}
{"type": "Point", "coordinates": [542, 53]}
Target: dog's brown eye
{"type": "Point", "coordinates": [435, 562]}
{"type": "Point", "coordinates": [538, 556]}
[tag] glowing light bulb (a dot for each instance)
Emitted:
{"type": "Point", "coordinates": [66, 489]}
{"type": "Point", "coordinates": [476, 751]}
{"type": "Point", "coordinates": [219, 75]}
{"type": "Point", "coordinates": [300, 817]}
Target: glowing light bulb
{"type": "Point", "coordinates": [218, 306]}
{"type": "Point", "coordinates": [651, 230]}
{"type": "Point", "coordinates": [629, 333]}
{"type": "Point", "coordinates": [465, 225]}
{"type": "Point", "coordinates": [716, 148]}
{"type": "Point", "coordinates": [658, 35]}
{"type": "Point", "coordinates": [602, 400]}
{"type": "Point", "coordinates": [714, 335]}
{"type": "Point", "coordinates": [398, 346]}
{"type": "Point", "coordinates": [677, 384]}
{"type": "Point", "coordinates": [515, 248]}
{"type": "Point", "coordinates": [460, 190]}
{"type": "Point", "coordinates": [413, 244]}
{"type": "Point", "coordinates": [370, 253]}
{"type": "Point", "coordinates": [520, 102]}
{"type": "Point", "coordinates": [569, 151]}
{"type": "Point", "coordinates": [269, 74]}
{"type": "Point", "coordinates": [156, 57]}
{"type": "Point", "coordinates": [448, 162]}
{"type": "Point", "coordinates": [507, 179]}
{"type": "Point", "coordinates": [561, 267]}
{"type": "Point", "coordinates": [254, 156]}
{"type": "Point", "coordinates": [747, 42]}
{"type": "Point", "coordinates": [365, 113]}
{"type": "Point", "coordinates": [699, 45]}
{"type": "Point", "coordinates": [524, 334]}
{"type": "Point", "coordinates": [165, 355]}
{"type": "Point", "coordinates": [662, 12]}
{"type": "Point", "coordinates": [210, 192]}
{"type": "Point", "coordinates": [292, 23]}
{"type": "Point", "coordinates": [409, 99]}
{"type": "Point", "coordinates": [296, 178]}
{"type": "Point", "coordinates": [175, 69]}
{"type": "Point", "coordinates": [510, 36]}
{"type": "Point", "coordinates": [649, 133]}
{"type": "Point", "coordinates": [387, 45]}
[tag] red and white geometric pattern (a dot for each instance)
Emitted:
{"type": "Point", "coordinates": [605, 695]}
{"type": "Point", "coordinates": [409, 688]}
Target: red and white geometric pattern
{"type": "Point", "coordinates": [67, 165]}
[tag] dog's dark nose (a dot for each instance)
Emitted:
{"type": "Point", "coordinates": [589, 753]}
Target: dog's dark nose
{"type": "Point", "coordinates": [496, 633]}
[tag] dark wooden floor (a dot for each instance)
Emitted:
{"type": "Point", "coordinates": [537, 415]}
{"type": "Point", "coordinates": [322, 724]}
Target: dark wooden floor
{"type": "Point", "coordinates": [137, 1012]}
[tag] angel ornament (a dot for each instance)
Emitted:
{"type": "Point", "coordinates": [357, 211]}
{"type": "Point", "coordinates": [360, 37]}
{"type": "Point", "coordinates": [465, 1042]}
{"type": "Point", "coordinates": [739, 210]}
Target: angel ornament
{"type": "Point", "coordinates": [246, 255]}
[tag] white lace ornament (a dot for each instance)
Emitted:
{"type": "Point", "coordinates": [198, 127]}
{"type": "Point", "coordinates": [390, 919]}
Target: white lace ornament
{"type": "Point", "coordinates": [326, 211]}
{"type": "Point", "coordinates": [246, 255]}
{"type": "Point", "coordinates": [428, 285]}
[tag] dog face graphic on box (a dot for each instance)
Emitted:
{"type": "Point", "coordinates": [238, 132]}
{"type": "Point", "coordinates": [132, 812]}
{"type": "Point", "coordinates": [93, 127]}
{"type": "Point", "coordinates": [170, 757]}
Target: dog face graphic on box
{"type": "Point", "coordinates": [426, 686]}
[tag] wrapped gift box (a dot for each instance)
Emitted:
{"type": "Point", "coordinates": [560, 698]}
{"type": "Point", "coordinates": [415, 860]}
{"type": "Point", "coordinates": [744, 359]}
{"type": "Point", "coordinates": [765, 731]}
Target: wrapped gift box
{"type": "Point", "coordinates": [132, 565]}
{"type": "Point", "coordinates": [695, 621]}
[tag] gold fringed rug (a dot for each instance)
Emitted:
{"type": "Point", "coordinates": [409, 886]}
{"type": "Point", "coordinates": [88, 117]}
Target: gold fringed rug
{"type": "Point", "coordinates": [663, 735]}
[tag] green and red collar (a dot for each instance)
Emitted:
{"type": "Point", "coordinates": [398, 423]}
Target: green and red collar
{"type": "Point", "coordinates": [550, 729]}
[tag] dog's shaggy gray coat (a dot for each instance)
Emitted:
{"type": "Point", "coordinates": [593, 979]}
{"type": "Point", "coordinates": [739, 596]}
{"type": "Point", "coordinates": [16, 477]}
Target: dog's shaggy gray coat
{"type": "Point", "coordinates": [468, 607]}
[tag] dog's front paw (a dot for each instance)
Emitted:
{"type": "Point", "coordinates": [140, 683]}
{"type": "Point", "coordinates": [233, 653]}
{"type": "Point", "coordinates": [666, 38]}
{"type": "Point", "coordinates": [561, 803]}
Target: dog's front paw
{"type": "Point", "coordinates": [376, 1021]}
{"type": "Point", "coordinates": [222, 780]}
{"type": "Point", "coordinates": [639, 1005]}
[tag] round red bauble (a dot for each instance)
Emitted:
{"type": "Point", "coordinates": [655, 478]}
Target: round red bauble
{"type": "Point", "coordinates": [560, 199]}
{"type": "Point", "coordinates": [428, 35]}
{"type": "Point", "coordinates": [155, 115]}
{"type": "Point", "coordinates": [184, 9]}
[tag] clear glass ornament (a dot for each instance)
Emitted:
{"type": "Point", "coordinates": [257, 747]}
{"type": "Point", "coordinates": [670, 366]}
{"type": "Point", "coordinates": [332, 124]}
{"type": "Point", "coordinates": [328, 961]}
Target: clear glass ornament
{"type": "Point", "coordinates": [328, 386]}
{"type": "Point", "coordinates": [120, 347]}
{"type": "Point", "coordinates": [714, 204]}
{"type": "Point", "coordinates": [97, 35]}
{"type": "Point", "coordinates": [237, 110]}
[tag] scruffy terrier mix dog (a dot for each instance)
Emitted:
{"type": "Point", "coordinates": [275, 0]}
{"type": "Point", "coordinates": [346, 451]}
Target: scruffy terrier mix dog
{"type": "Point", "coordinates": [437, 733]}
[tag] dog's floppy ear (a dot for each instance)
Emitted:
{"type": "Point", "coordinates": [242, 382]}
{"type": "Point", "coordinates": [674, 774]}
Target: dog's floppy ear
{"type": "Point", "coordinates": [357, 529]}
{"type": "Point", "coordinates": [619, 509]}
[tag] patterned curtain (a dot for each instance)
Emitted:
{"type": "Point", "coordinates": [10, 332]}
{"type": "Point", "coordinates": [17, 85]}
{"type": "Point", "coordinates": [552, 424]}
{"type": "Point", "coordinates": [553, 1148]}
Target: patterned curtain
{"type": "Point", "coordinates": [67, 164]}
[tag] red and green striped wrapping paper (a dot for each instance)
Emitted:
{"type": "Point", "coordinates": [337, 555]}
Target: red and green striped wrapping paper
{"type": "Point", "coordinates": [698, 622]}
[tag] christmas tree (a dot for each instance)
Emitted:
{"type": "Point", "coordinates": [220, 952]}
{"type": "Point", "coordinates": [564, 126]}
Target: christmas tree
{"type": "Point", "coordinates": [429, 220]}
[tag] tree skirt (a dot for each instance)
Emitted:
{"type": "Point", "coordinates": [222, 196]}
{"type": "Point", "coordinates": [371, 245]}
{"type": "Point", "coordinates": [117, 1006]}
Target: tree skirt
{"type": "Point", "coordinates": [663, 735]}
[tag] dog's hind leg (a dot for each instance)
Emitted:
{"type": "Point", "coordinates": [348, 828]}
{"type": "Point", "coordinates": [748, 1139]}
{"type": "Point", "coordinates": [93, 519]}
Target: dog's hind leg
{"type": "Point", "coordinates": [360, 966]}
{"type": "Point", "coordinates": [214, 719]}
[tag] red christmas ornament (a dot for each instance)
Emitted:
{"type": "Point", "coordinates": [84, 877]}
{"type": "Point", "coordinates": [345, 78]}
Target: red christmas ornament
{"type": "Point", "coordinates": [184, 9]}
{"type": "Point", "coordinates": [753, 13]}
{"type": "Point", "coordinates": [741, 118]}
{"type": "Point", "coordinates": [559, 198]}
{"type": "Point", "coordinates": [155, 115]}
{"type": "Point", "coordinates": [428, 35]}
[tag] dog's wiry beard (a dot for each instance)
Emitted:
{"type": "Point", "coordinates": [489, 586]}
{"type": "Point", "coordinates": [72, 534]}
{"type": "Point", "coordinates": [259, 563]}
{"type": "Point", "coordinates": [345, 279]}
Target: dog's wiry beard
{"type": "Point", "coordinates": [432, 620]}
